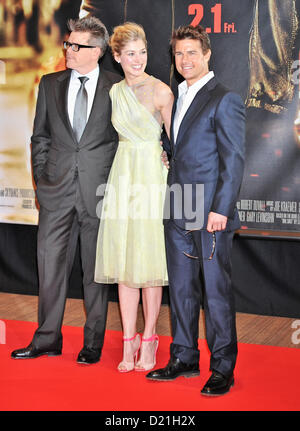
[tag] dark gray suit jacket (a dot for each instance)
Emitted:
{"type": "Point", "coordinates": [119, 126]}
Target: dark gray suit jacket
{"type": "Point", "coordinates": [55, 151]}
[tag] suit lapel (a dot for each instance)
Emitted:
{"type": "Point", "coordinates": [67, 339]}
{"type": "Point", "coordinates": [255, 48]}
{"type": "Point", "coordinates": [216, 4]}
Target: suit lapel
{"type": "Point", "coordinates": [172, 123]}
{"type": "Point", "coordinates": [98, 105]}
{"type": "Point", "coordinates": [61, 95]}
{"type": "Point", "coordinates": [198, 103]}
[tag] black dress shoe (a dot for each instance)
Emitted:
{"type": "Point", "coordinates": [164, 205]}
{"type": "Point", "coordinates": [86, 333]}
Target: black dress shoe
{"type": "Point", "coordinates": [31, 352]}
{"type": "Point", "coordinates": [88, 356]}
{"type": "Point", "coordinates": [174, 369]}
{"type": "Point", "coordinates": [217, 384]}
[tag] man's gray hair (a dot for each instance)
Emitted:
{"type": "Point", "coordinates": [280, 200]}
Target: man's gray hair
{"type": "Point", "coordinates": [98, 33]}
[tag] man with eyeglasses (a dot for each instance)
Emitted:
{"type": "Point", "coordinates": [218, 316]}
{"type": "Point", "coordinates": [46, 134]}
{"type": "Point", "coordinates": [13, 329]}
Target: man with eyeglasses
{"type": "Point", "coordinates": [73, 146]}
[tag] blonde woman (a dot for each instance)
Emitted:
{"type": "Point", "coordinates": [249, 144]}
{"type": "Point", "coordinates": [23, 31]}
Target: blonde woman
{"type": "Point", "coordinates": [130, 248]}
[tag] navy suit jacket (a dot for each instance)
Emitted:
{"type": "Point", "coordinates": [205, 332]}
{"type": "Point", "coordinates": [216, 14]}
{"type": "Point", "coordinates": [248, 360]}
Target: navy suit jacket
{"type": "Point", "coordinates": [207, 161]}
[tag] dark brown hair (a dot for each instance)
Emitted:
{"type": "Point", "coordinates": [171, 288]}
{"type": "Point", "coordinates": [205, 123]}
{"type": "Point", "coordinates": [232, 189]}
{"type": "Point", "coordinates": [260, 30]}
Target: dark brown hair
{"type": "Point", "coordinates": [190, 32]}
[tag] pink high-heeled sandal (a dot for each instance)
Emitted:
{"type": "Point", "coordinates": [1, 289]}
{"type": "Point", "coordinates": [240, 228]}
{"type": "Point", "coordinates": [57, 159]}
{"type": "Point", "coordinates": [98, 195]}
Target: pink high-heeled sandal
{"type": "Point", "coordinates": [129, 366]}
{"type": "Point", "coordinates": [147, 367]}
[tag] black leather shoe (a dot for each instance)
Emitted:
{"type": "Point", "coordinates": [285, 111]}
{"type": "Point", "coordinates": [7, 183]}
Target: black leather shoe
{"type": "Point", "coordinates": [217, 384]}
{"type": "Point", "coordinates": [174, 369]}
{"type": "Point", "coordinates": [88, 356]}
{"type": "Point", "coordinates": [31, 352]}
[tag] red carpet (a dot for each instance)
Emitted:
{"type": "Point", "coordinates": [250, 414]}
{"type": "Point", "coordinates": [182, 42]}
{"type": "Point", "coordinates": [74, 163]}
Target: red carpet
{"type": "Point", "coordinates": [267, 379]}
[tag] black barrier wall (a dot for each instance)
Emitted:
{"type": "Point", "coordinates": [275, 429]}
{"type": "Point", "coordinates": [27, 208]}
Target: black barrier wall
{"type": "Point", "coordinates": [265, 276]}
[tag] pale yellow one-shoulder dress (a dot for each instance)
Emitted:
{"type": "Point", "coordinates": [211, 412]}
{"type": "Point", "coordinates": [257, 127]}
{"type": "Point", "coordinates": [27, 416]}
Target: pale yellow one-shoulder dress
{"type": "Point", "coordinates": [130, 246]}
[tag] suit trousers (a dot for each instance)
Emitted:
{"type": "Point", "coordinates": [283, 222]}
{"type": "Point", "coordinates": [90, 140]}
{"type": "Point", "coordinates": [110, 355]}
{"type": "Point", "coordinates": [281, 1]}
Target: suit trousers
{"type": "Point", "coordinates": [195, 276]}
{"type": "Point", "coordinates": [58, 234]}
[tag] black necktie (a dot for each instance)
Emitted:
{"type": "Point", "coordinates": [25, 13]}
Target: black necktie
{"type": "Point", "coordinates": [80, 110]}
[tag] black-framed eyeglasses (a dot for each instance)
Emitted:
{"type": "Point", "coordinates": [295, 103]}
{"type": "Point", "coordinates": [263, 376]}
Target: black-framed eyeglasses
{"type": "Point", "coordinates": [76, 46]}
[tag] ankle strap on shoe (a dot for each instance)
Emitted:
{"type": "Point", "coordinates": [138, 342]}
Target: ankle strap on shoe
{"type": "Point", "coordinates": [154, 337]}
{"type": "Point", "coordinates": [130, 339]}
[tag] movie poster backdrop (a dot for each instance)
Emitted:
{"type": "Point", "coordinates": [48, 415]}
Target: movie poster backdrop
{"type": "Point", "coordinates": [255, 52]}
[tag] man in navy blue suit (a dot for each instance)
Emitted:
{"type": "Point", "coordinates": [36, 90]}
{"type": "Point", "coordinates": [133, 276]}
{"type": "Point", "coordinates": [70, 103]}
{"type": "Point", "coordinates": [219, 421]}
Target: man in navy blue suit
{"type": "Point", "coordinates": [206, 153]}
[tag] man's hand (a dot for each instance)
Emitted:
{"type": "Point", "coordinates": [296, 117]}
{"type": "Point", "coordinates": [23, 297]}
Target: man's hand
{"type": "Point", "coordinates": [216, 222]}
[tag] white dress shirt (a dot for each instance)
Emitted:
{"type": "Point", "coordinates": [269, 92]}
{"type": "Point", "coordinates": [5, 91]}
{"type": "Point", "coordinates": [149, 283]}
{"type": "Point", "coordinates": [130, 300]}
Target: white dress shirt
{"type": "Point", "coordinates": [74, 86]}
{"type": "Point", "coordinates": [186, 95]}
